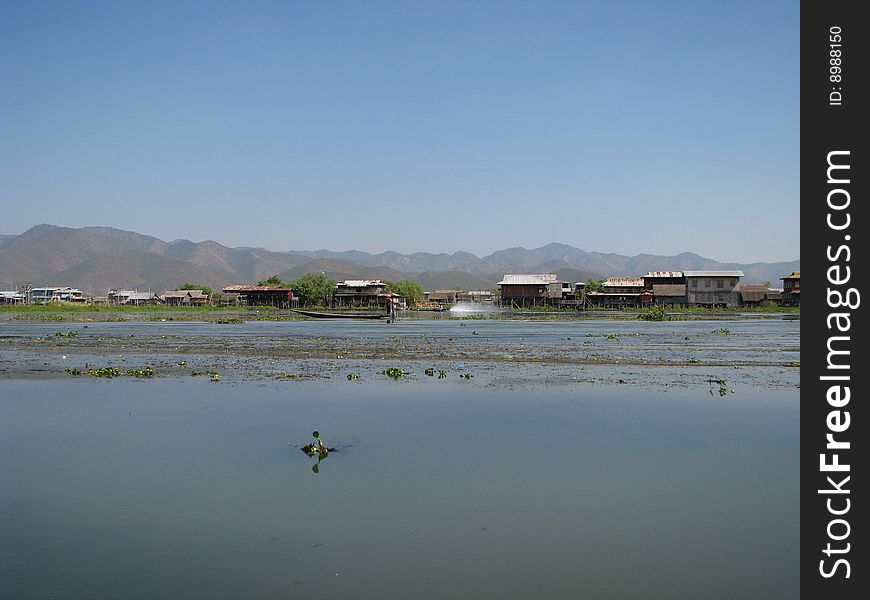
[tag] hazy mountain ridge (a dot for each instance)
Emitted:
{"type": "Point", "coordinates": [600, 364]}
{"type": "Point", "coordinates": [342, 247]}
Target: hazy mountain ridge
{"type": "Point", "coordinates": [97, 258]}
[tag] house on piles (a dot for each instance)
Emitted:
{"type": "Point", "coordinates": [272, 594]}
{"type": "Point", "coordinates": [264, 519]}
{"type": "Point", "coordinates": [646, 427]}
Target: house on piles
{"type": "Point", "coordinates": [525, 290]}
{"type": "Point", "coordinates": [713, 289]}
{"type": "Point", "coordinates": [668, 288]}
{"type": "Point", "coordinates": [262, 295]}
{"type": "Point", "coordinates": [791, 289]}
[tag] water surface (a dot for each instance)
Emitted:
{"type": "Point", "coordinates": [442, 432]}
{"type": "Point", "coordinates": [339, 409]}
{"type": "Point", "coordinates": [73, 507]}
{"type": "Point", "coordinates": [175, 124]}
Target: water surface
{"type": "Point", "coordinates": [179, 487]}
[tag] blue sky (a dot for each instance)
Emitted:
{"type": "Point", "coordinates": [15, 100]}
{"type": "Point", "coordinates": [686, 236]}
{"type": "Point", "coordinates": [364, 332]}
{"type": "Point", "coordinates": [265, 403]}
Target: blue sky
{"type": "Point", "coordinates": [628, 127]}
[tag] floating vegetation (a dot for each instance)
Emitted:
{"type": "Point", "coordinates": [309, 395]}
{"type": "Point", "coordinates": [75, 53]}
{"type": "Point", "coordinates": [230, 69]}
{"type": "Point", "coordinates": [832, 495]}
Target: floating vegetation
{"type": "Point", "coordinates": [73, 371]}
{"type": "Point", "coordinates": [394, 373]}
{"type": "Point", "coordinates": [317, 448]}
{"type": "Point", "coordinates": [430, 372]}
{"type": "Point", "coordinates": [442, 374]}
{"type": "Point", "coordinates": [182, 363]}
{"type": "Point", "coordinates": [612, 336]}
{"type": "Point", "coordinates": [723, 387]}
{"type": "Point", "coordinates": [215, 377]}
{"type": "Point", "coordinates": [107, 372]}
{"type": "Point", "coordinates": [352, 376]}
{"type": "Point", "coordinates": [67, 334]}
{"type": "Point", "coordinates": [228, 321]}
{"type": "Point", "coordinates": [722, 331]}
{"type": "Point", "coordinates": [146, 372]}
{"type": "Point", "coordinates": [654, 313]}
{"type": "Point", "coordinates": [467, 375]}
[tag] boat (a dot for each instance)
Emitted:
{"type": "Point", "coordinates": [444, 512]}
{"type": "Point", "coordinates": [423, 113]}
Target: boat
{"type": "Point", "coordinates": [355, 314]}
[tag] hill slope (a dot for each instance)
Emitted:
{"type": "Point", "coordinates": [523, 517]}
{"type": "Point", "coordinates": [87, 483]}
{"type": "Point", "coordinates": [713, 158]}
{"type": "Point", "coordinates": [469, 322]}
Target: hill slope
{"type": "Point", "coordinates": [97, 258]}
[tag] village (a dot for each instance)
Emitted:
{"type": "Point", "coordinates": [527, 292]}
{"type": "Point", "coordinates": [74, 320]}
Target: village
{"type": "Point", "coordinates": [667, 289]}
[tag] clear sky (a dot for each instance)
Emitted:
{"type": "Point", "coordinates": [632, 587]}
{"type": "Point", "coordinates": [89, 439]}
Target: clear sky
{"type": "Point", "coordinates": [616, 126]}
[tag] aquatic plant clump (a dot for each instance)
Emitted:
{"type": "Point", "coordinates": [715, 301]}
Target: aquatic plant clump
{"type": "Point", "coordinates": [107, 372]}
{"type": "Point", "coordinates": [654, 313]}
{"type": "Point", "coordinates": [317, 448]}
{"type": "Point", "coordinates": [147, 372]}
{"type": "Point", "coordinates": [394, 373]}
{"type": "Point", "coordinates": [723, 387]}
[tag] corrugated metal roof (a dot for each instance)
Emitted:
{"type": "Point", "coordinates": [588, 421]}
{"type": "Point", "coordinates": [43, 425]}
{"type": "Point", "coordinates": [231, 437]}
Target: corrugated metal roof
{"type": "Point", "coordinates": [669, 289]}
{"type": "Point", "coordinates": [360, 282]}
{"type": "Point", "coordinates": [529, 279]}
{"type": "Point", "coordinates": [623, 282]}
{"type": "Point", "coordinates": [794, 275]}
{"type": "Point", "coordinates": [140, 296]}
{"type": "Point", "coordinates": [664, 274]}
{"type": "Point", "coordinates": [255, 288]}
{"type": "Point", "coordinates": [713, 273]}
{"type": "Point", "coordinates": [183, 293]}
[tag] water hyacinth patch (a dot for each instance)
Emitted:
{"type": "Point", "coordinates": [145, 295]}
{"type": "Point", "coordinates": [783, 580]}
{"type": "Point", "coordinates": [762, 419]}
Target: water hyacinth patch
{"type": "Point", "coordinates": [723, 387]}
{"type": "Point", "coordinates": [394, 373]}
{"type": "Point", "coordinates": [146, 372]}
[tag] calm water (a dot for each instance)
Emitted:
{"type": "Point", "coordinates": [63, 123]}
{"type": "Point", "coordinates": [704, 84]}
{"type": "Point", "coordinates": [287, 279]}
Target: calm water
{"type": "Point", "coordinates": [179, 488]}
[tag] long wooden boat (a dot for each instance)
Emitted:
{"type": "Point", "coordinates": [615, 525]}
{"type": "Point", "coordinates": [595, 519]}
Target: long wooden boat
{"type": "Point", "coordinates": [356, 314]}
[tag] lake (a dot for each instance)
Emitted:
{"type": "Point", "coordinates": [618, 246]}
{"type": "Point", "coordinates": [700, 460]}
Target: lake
{"type": "Point", "coordinates": [526, 480]}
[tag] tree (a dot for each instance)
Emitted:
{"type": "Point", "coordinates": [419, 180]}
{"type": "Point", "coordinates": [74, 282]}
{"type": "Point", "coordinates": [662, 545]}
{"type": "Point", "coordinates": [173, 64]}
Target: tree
{"type": "Point", "coordinates": [273, 280]}
{"type": "Point", "coordinates": [409, 289]}
{"type": "Point", "coordinates": [766, 283]}
{"type": "Point", "coordinates": [192, 286]}
{"type": "Point", "coordinates": [313, 290]}
{"type": "Point", "coordinates": [595, 285]}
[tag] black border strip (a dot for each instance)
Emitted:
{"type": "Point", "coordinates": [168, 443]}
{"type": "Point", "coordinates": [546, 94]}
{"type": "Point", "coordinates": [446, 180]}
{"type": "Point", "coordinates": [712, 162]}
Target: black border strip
{"type": "Point", "coordinates": [833, 114]}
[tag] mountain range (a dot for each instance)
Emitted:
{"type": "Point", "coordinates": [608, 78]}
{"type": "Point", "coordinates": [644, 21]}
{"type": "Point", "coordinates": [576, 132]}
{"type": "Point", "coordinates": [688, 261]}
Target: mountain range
{"type": "Point", "coordinates": [96, 259]}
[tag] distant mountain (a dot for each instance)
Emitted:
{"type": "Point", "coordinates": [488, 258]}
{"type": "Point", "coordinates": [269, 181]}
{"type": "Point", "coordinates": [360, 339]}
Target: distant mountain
{"type": "Point", "coordinates": [455, 280]}
{"type": "Point", "coordinates": [5, 238]}
{"type": "Point", "coordinates": [340, 270]}
{"type": "Point", "coordinates": [555, 257]}
{"type": "Point", "coordinates": [97, 258]}
{"type": "Point", "coordinates": [134, 269]}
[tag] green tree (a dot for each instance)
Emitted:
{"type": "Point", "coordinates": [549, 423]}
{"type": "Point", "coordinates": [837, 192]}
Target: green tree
{"type": "Point", "coordinates": [766, 283]}
{"type": "Point", "coordinates": [409, 289]}
{"type": "Point", "coordinates": [192, 286]}
{"type": "Point", "coordinates": [595, 285]}
{"type": "Point", "coordinates": [313, 289]}
{"type": "Point", "coordinates": [273, 280]}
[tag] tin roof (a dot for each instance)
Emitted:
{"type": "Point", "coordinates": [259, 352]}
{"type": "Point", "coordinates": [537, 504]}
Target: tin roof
{"type": "Point", "coordinates": [183, 293]}
{"type": "Point", "coordinates": [713, 273]}
{"type": "Point", "coordinates": [664, 274]}
{"type": "Point", "coordinates": [669, 289]}
{"type": "Point", "coordinates": [140, 296]}
{"type": "Point", "coordinates": [361, 282]}
{"type": "Point", "coordinates": [255, 288]}
{"type": "Point", "coordinates": [529, 279]}
{"type": "Point", "coordinates": [623, 282]}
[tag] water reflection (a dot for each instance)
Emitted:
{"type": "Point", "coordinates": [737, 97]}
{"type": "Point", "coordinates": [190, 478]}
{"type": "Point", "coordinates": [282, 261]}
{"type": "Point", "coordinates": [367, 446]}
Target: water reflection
{"type": "Point", "coordinates": [473, 308]}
